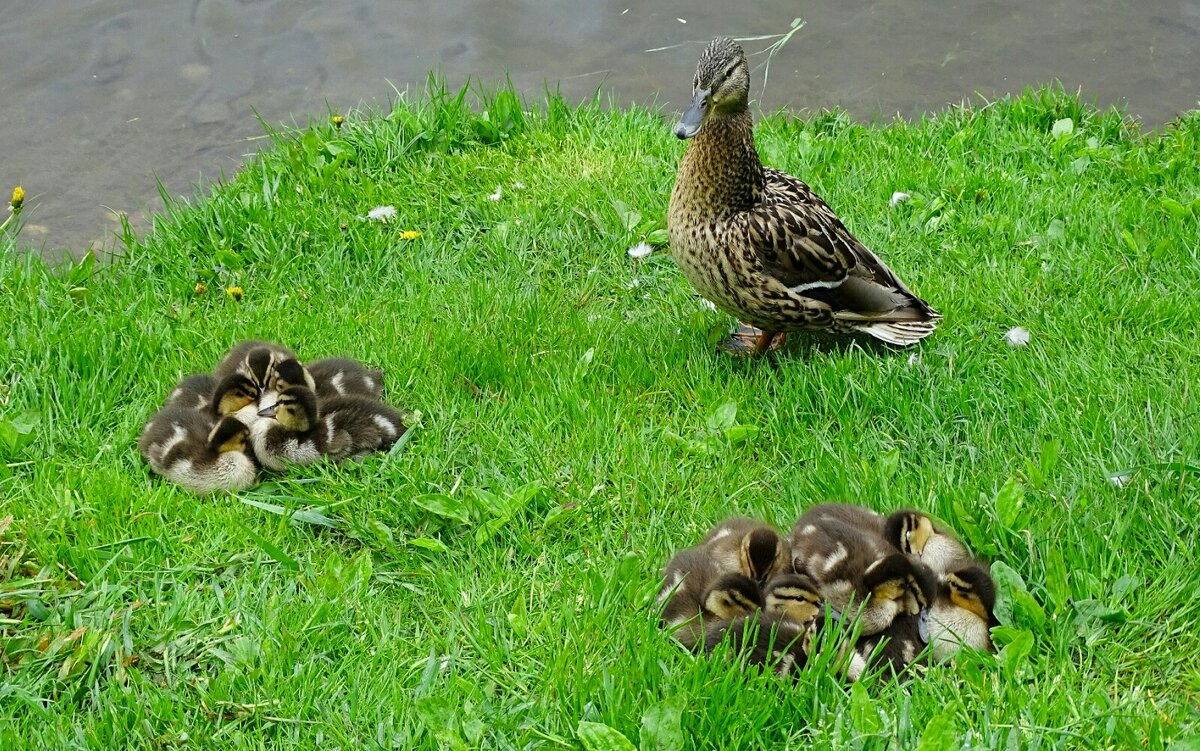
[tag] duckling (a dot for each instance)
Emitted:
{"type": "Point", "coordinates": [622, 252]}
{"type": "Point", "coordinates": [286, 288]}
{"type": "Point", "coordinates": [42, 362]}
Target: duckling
{"type": "Point", "coordinates": [903, 643]}
{"type": "Point", "coordinates": [794, 597]}
{"type": "Point", "coordinates": [963, 611]}
{"type": "Point", "coordinates": [339, 376]}
{"type": "Point", "coordinates": [345, 428]}
{"type": "Point", "coordinates": [193, 392]}
{"type": "Point", "coordinates": [234, 394]}
{"type": "Point", "coordinates": [695, 591]}
{"type": "Point", "coordinates": [751, 547]}
{"type": "Point", "coordinates": [294, 434]}
{"type": "Point", "coordinates": [254, 359]}
{"type": "Point", "coordinates": [759, 243]}
{"type": "Point", "coordinates": [854, 568]}
{"type": "Point", "coordinates": [915, 534]}
{"type": "Point", "coordinates": [763, 639]}
{"type": "Point", "coordinates": [193, 450]}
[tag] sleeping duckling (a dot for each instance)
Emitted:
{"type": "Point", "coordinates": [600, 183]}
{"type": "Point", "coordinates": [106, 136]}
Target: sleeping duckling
{"type": "Point", "coordinates": [963, 611]}
{"type": "Point", "coordinates": [793, 597]}
{"type": "Point", "coordinates": [339, 376]}
{"type": "Point", "coordinates": [193, 392]}
{"type": "Point", "coordinates": [197, 452]}
{"type": "Point", "coordinates": [234, 394]}
{"type": "Point", "coordinates": [345, 428]}
{"type": "Point", "coordinates": [763, 639]}
{"type": "Point", "coordinates": [855, 569]}
{"type": "Point", "coordinates": [694, 591]}
{"type": "Point", "coordinates": [254, 359]}
{"type": "Point", "coordinates": [754, 548]}
{"type": "Point", "coordinates": [915, 534]}
{"type": "Point", "coordinates": [903, 643]}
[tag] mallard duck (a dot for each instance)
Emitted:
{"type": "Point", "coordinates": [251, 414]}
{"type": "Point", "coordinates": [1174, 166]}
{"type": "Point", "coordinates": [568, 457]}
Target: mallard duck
{"type": "Point", "coordinates": [193, 450]}
{"type": "Point", "coordinates": [340, 376]}
{"type": "Point", "coordinates": [193, 392]}
{"type": "Point", "coordinates": [342, 428]}
{"type": "Point", "coordinates": [915, 534]}
{"type": "Point", "coordinates": [695, 592]}
{"type": "Point", "coordinates": [963, 611]}
{"type": "Point", "coordinates": [748, 546]}
{"type": "Point", "coordinates": [856, 570]}
{"type": "Point", "coordinates": [760, 244]}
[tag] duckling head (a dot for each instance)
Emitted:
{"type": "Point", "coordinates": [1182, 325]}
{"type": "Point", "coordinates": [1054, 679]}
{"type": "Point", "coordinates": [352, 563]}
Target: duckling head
{"type": "Point", "coordinates": [228, 435]}
{"type": "Point", "coordinates": [760, 552]}
{"type": "Point", "coordinates": [795, 597]}
{"type": "Point", "coordinates": [290, 372]}
{"type": "Point", "coordinates": [908, 530]}
{"type": "Point", "coordinates": [732, 595]}
{"type": "Point", "coordinates": [886, 585]}
{"type": "Point", "coordinates": [259, 362]}
{"type": "Point", "coordinates": [233, 393]}
{"type": "Point", "coordinates": [721, 86]}
{"type": "Point", "coordinates": [295, 409]}
{"type": "Point", "coordinates": [964, 611]}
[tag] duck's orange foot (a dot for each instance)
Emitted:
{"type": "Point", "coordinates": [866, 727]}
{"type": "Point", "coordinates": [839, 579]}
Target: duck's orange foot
{"type": "Point", "coordinates": [749, 341]}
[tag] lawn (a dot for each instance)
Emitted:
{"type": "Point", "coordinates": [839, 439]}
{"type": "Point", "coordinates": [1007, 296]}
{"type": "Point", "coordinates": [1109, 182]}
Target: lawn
{"type": "Point", "coordinates": [489, 584]}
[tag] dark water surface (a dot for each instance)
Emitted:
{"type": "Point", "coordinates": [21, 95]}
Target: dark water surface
{"type": "Point", "coordinates": [99, 98]}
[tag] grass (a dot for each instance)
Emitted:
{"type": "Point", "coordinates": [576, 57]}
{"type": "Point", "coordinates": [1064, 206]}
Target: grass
{"type": "Point", "coordinates": [488, 585]}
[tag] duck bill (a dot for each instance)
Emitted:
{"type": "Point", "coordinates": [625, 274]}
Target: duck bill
{"type": "Point", "coordinates": [268, 411]}
{"type": "Point", "coordinates": [689, 124]}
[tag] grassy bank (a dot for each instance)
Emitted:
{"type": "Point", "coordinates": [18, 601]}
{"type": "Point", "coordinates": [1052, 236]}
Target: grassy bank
{"type": "Point", "coordinates": [573, 428]}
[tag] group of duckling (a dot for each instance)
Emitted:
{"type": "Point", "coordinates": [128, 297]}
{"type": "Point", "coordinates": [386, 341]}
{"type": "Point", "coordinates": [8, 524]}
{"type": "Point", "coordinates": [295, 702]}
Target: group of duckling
{"type": "Point", "coordinates": [898, 590]}
{"type": "Point", "coordinates": [262, 407]}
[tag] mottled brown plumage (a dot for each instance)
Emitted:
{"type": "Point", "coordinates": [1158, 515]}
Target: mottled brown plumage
{"type": "Point", "coordinates": [758, 242]}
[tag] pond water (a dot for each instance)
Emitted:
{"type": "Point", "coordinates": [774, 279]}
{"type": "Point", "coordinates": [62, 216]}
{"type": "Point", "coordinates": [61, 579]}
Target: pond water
{"type": "Point", "coordinates": [100, 99]}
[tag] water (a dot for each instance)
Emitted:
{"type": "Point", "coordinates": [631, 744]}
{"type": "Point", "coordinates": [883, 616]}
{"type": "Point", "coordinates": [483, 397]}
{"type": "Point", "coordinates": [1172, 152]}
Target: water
{"type": "Point", "coordinates": [101, 98]}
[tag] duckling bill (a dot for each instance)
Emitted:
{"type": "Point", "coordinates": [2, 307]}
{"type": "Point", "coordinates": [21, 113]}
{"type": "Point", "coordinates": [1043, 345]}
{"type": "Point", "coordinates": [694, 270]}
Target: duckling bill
{"type": "Point", "coordinates": [759, 243]}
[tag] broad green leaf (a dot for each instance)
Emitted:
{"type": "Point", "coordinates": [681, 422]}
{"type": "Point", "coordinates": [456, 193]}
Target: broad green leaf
{"type": "Point", "coordinates": [1063, 128]}
{"type": "Point", "coordinates": [723, 417]}
{"type": "Point", "coordinates": [1014, 604]}
{"type": "Point", "coordinates": [864, 712]}
{"type": "Point", "coordinates": [444, 506]}
{"type": "Point", "coordinates": [740, 433]}
{"type": "Point", "coordinates": [939, 734]}
{"type": "Point", "coordinates": [1175, 208]}
{"type": "Point", "coordinates": [489, 501]}
{"type": "Point", "coordinates": [1015, 653]}
{"type": "Point", "coordinates": [1010, 500]}
{"type": "Point", "coordinates": [662, 726]}
{"type": "Point", "coordinates": [1056, 580]}
{"type": "Point", "coordinates": [429, 543]}
{"type": "Point", "coordinates": [596, 736]}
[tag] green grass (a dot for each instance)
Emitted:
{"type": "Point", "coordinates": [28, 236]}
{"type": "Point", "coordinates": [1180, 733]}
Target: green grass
{"type": "Point", "coordinates": [571, 406]}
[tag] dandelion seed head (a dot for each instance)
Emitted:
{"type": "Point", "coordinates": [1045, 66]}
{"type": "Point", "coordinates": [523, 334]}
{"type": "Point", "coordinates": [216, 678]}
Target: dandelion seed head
{"type": "Point", "coordinates": [641, 250]}
{"type": "Point", "coordinates": [1017, 336]}
{"type": "Point", "coordinates": [898, 197]}
{"type": "Point", "coordinates": [496, 196]}
{"type": "Point", "coordinates": [200, 288]}
{"type": "Point", "coordinates": [382, 213]}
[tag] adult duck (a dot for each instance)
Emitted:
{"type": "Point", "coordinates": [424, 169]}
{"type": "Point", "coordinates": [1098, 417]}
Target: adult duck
{"type": "Point", "coordinates": [760, 244]}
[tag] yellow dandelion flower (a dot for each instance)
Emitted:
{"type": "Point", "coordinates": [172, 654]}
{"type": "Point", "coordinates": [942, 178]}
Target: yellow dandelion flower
{"type": "Point", "coordinates": [201, 288]}
{"type": "Point", "coordinates": [337, 120]}
{"type": "Point", "coordinates": [409, 234]}
{"type": "Point", "coordinates": [235, 293]}
{"type": "Point", "coordinates": [18, 198]}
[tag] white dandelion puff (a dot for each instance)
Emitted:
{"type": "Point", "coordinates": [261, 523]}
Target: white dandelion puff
{"type": "Point", "coordinates": [898, 197]}
{"type": "Point", "coordinates": [1017, 336]}
{"type": "Point", "coordinates": [641, 250]}
{"type": "Point", "coordinates": [496, 196]}
{"type": "Point", "coordinates": [914, 360]}
{"type": "Point", "coordinates": [382, 214]}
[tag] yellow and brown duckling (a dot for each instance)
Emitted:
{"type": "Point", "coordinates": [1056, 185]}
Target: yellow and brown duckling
{"type": "Point", "coordinates": [747, 546]}
{"type": "Point", "coordinates": [859, 574]}
{"type": "Point", "coordinates": [695, 592]}
{"type": "Point", "coordinates": [193, 392]}
{"type": "Point", "coordinates": [962, 613]}
{"type": "Point", "coordinates": [903, 643]}
{"type": "Point", "coordinates": [779, 644]}
{"type": "Point", "coordinates": [198, 452]}
{"type": "Point", "coordinates": [340, 376]}
{"type": "Point", "coordinates": [794, 597]}
{"type": "Point", "coordinates": [914, 533]}
{"type": "Point", "coordinates": [759, 243]}
{"type": "Point", "coordinates": [301, 429]}
{"type": "Point", "coordinates": [251, 368]}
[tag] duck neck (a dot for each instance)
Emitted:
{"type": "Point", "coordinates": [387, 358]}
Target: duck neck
{"type": "Point", "coordinates": [722, 165]}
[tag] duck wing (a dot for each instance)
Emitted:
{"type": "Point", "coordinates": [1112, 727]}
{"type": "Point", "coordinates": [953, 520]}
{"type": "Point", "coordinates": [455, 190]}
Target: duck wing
{"type": "Point", "coordinates": [801, 242]}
